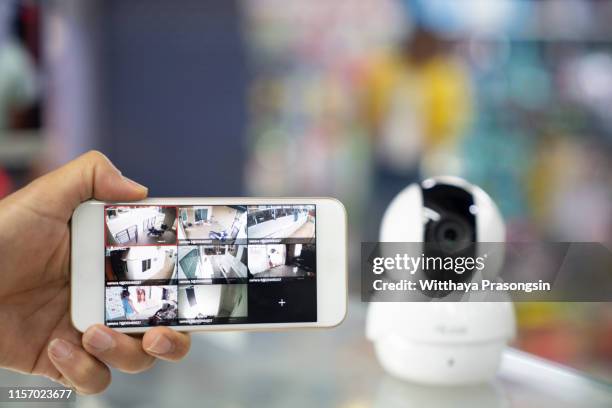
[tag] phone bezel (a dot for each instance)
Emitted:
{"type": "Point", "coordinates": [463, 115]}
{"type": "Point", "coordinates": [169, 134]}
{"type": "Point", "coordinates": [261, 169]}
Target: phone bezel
{"type": "Point", "coordinates": [87, 261]}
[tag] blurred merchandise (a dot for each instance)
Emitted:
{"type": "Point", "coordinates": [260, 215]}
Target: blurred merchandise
{"type": "Point", "coordinates": [18, 80]}
{"type": "Point", "coordinates": [308, 60]}
{"type": "Point", "coordinates": [577, 335]}
{"type": "Point", "coordinates": [417, 103]}
{"type": "Point", "coordinates": [507, 101]}
{"type": "Point", "coordinates": [20, 91]}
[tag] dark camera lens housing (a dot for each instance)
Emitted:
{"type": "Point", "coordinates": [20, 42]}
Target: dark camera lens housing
{"type": "Point", "coordinates": [454, 227]}
{"type": "Point", "coordinates": [449, 231]}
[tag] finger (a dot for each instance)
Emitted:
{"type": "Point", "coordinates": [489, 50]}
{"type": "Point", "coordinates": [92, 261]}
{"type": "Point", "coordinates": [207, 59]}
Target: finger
{"type": "Point", "coordinates": [91, 175]}
{"type": "Point", "coordinates": [166, 343]}
{"type": "Point", "coordinates": [82, 370]}
{"type": "Point", "coordinates": [117, 349]}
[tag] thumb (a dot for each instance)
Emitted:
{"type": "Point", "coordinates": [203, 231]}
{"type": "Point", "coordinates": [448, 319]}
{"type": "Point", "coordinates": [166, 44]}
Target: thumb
{"type": "Point", "coordinates": [91, 175]}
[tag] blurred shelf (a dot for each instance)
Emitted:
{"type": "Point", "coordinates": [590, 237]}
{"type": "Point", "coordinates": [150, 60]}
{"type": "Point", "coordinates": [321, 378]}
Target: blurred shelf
{"type": "Point", "coordinates": [532, 36]}
{"type": "Point", "coordinates": [19, 149]}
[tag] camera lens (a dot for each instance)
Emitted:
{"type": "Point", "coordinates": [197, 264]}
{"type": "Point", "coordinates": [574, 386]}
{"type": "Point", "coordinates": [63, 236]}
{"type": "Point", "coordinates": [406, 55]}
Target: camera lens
{"type": "Point", "coordinates": [452, 234]}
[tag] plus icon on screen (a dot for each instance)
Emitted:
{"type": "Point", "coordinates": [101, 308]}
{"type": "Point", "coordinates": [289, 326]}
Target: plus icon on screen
{"type": "Point", "coordinates": [282, 302]}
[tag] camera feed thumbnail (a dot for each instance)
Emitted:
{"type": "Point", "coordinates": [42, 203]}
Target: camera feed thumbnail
{"type": "Point", "coordinates": [211, 262]}
{"type": "Point", "coordinates": [282, 260]}
{"type": "Point", "coordinates": [141, 305]}
{"type": "Point", "coordinates": [140, 225]}
{"type": "Point", "coordinates": [281, 221]}
{"type": "Point", "coordinates": [144, 263]}
{"type": "Point", "coordinates": [214, 222]}
{"type": "Point", "coordinates": [208, 302]}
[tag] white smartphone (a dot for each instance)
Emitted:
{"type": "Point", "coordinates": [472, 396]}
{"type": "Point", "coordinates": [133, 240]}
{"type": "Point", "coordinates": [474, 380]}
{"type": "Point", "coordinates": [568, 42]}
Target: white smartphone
{"type": "Point", "coordinates": [209, 264]}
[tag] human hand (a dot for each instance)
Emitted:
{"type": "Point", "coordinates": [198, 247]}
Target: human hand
{"type": "Point", "coordinates": [36, 335]}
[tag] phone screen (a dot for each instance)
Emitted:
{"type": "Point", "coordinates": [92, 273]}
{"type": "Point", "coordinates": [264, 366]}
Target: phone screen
{"type": "Point", "coordinates": [209, 264]}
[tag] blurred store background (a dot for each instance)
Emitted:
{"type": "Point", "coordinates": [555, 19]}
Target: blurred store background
{"type": "Point", "coordinates": [354, 99]}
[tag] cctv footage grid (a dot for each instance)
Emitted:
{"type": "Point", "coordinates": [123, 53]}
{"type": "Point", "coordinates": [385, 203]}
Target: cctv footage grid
{"type": "Point", "coordinates": [209, 264]}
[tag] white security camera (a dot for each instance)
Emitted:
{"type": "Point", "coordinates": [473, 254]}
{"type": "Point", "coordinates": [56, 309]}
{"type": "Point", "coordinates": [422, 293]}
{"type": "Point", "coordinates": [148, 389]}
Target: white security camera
{"type": "Point", "coordinates": [437, 341]}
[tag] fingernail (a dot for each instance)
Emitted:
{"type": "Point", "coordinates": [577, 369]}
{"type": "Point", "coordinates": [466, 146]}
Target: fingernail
{"type": "Point", "coordinates": [161, 345]}
{"type": "Point", "coordinates": [60, 349]}
{"type": "Point", "coordinates": [99, 340]}
{"type": "Point", "coordinates": [137, 185]}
